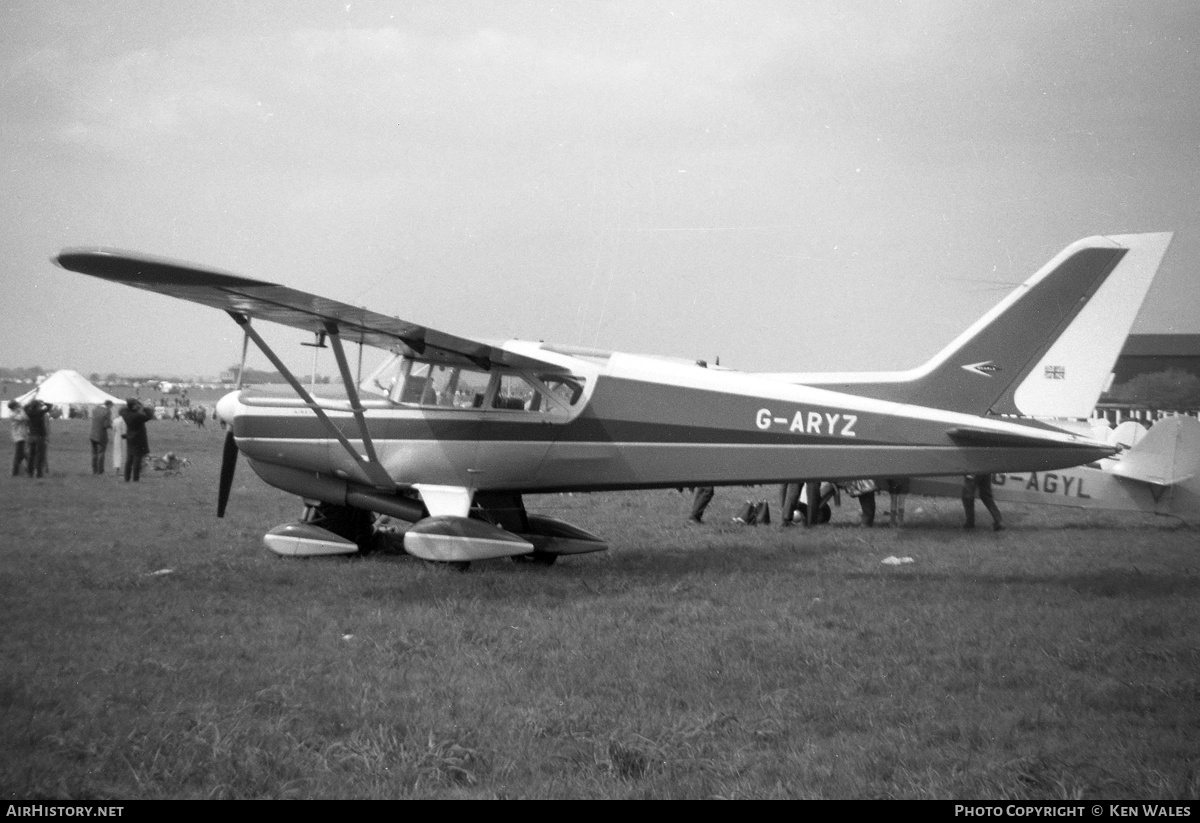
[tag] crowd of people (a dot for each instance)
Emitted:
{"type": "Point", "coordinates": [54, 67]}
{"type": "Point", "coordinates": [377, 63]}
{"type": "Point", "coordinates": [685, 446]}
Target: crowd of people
{"type": "Point", "coordinates": [809, 500]}
{"type": "Point", "coordinates": [30, 431]}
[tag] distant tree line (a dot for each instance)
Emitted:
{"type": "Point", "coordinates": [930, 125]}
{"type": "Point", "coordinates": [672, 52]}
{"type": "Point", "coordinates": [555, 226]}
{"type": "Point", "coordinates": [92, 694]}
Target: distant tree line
{"type": "Point", "coordinates": [251, 376]}
{"type": "Point", "coordinates": [30, 373]}
{"type": "Point", "coordinates": [1173, 389]}
{"type": "Point", "coordinates": [258, 376]}
{"type": "Point", "coordinates": [34, 372]}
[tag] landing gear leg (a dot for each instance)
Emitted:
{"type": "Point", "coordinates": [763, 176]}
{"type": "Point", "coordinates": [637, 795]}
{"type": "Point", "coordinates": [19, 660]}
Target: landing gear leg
{"type": "Point", "coordinates": [356, 525]}
{"type": "Point", "coordinates": [508, 512]}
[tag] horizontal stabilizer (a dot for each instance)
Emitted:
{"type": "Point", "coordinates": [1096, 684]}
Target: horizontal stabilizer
{"type": "Point", "coordinates": [970, 436]}
{"type": "Point", "coordinates": [1167, 455]}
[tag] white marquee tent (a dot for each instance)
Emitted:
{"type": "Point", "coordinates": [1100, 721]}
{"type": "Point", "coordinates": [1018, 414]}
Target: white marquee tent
{"type": "Point", "coordinates": [66, 388]}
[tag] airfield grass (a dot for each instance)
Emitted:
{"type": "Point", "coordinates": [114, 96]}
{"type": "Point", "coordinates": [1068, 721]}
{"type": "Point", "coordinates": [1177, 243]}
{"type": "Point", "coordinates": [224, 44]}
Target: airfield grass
{"type": "Point", "coordinates": [150, 650]}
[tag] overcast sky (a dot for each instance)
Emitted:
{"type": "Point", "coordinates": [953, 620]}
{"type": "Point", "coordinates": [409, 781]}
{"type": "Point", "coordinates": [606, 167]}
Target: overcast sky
{"type": "Point", "coordinates": [791, 185]}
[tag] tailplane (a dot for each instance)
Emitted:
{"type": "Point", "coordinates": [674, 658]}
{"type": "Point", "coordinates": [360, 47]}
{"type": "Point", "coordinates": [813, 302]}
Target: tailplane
{"type": "Point", "coordinates": [1046, 350]}
{"type": "Point", "coordinates": [1168, 454]}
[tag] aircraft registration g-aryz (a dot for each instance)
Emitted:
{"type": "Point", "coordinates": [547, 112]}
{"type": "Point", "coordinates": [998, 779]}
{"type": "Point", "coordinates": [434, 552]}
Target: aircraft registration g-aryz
{"type": "Point", "coordinates": [456, 430]}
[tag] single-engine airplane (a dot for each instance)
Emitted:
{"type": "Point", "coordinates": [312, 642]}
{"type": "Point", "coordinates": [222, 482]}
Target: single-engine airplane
{"type": "Point", "coordinates": [458, 430]}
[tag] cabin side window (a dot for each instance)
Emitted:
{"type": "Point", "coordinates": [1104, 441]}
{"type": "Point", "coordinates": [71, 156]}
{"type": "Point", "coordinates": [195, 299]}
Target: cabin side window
{"type": "Point", "coordinates": [550, 395]}
{"type": "Point", "coordinates": [383, 380]}
{"type": "Point", "coordinates": [441, 386]}
{"type": "Point", "coordinates": [513, 394]}
{"type": "Point", "coordinates": [426, 384]}
{"type": "Point", "coordinates": [560, 394]}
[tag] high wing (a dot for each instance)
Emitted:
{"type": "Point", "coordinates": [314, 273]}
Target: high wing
{"type": "Point", "coordinates": [248, 298]}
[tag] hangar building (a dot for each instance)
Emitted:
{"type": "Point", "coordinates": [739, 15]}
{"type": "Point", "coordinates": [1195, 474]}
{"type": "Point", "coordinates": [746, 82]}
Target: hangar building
{"type": "Point", "coordinates": [1146, 353]}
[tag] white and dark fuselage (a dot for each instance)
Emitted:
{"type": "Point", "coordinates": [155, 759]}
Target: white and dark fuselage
{"type": "Point", "coordinates": [633, 422]}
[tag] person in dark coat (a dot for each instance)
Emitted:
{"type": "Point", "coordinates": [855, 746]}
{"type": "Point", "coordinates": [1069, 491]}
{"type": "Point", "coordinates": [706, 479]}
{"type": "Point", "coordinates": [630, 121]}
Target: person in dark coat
{"type": "Point", "coordinates": [981, 483]}
{"type": "Point", "coordinates": [703, 496]}
{"type": "Point", "coordinates": [20, 433]}
{"type": "Point", "coordinates": [101, 423]}
{"type": "Point", "coordinates": [38, 414]}
{"type": "Point", "coordinates": [136, 416]}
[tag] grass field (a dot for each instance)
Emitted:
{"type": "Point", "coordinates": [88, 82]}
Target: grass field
{"type": "Point", "coordinates": [150, 650]}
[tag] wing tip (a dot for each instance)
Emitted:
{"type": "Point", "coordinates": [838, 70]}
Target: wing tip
{"type": "Point", "coordinates": [136, 268]}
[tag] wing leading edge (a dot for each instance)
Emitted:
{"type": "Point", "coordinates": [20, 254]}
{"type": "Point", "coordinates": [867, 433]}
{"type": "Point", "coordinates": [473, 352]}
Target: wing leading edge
{"type": "Point", "coordinates": [261, 300]}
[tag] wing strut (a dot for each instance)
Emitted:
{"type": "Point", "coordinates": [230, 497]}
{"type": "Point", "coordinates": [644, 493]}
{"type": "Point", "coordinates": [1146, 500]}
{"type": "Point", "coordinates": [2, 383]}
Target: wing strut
{"type": "Point", "coordinates": [242, 366]}
{"type": "Point", "coordinates": [370, 466]}
{"type": "Point", "coordinates": [331, 329]}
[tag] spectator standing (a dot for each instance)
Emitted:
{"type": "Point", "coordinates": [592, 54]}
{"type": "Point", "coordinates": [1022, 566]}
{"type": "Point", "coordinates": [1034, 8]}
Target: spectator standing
{"type": "Point", "coordinates": [789, 501]}
{"type": "Point", "coordinates": [137, 444]}
{"type": "Point", "coordinates": [898, 488]}
{"type": "Point", "coordinates": [20, 431]}
{"type": "Point", "coordinates": [38, 414]}
{"type": "Point", "coordinates": [981, 484]}
{"type": "Point", "coordinates": [101, 423]}
{"type": "Point", "coordinates": [864, 489]}
{"type": "Point", "coordinates": [118, 443]}
{"type": "Point", "coordinates": [703, 496]}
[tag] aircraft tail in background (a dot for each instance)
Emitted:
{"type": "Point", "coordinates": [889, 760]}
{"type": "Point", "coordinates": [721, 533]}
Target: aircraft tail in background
{"type": "Point", "coordinates": [1159, 474]}
{"type": "Point", "coordinates": [1046, 350]}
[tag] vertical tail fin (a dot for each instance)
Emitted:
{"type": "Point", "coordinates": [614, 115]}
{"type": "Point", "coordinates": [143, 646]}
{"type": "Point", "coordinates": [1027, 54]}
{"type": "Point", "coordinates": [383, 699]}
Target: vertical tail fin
{"type": "Point", "coordinates": [1046, 350]}
{"type": "Point", "coordinates": [1068, 380]}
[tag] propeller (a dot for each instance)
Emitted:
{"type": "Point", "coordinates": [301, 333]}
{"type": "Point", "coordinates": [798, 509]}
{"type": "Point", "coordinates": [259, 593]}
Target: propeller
{"type": "Point", "coordinates": [228, 464]}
